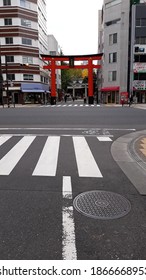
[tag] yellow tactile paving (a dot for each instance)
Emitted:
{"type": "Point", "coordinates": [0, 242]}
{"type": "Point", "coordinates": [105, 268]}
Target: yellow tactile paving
{"type": "Point", "coordinates": [143, 145]}
{"type": "Point", "coordinates": [144, 140]}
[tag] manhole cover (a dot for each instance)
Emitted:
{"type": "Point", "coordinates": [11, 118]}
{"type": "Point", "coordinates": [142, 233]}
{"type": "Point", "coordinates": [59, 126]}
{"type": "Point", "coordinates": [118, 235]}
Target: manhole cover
{"type": "Point", "coordinates": [102, 205]}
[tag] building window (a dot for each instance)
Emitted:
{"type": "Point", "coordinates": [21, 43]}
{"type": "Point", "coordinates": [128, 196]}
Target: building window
{"type": "Point", "coordinates": [112, 3]}
{"type": "Point", "coordinates": [11, 77]}
{"type": "Point", "coordinates": [108, 23]}
{"type": "Point", "coordinates": [27, 60]}
{"type": "Point", "coordinates": [6, 2]}
{"type": "Point", "coordinates": [140, 22]}
{"type": "Point", "coordinates": [8, 21]}
{"type": "Point", "coordinates": [25, 4]}
{"type": "Point", "coordinates": [139, 76]}
{"type": "Point", "coordinates": [52, 53]}
{"type": "Point", "coordinates": [140, 40]}
{"type": "Point", "coordinates": [9, 40]}
{"type": "Point", "coordinates": [112, 76]}
{"type": "Point", "coordinates": [10, 58]}
{"type": "Point", "coordinates": [27, 77]}
{"type": "Point", "coordinates": [26, 41]}
{"type": "Point", "coordinates": [112, 57]}
{"type": "Point", "coordinates": [25, 22]}
{"type": "Point", "coordinates": [112, 39]}
{"type": "Point", "coordinates": [140, 58]}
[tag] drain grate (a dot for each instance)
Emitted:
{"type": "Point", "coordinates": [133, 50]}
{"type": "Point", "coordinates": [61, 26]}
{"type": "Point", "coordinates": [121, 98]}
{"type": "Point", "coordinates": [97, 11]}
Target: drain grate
{"type": "Point", "coordinates": [102, 205]}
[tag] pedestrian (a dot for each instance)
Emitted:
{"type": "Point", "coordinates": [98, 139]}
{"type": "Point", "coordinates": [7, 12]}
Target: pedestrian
{"type": "Point", "coordinates": [130, 101]}
{"type": "Point", "coordinates": [84, 100]}
{"type": "Point", "coordinates": [65, 98]}
{"type": "Point", "coordinates": [122, 102]}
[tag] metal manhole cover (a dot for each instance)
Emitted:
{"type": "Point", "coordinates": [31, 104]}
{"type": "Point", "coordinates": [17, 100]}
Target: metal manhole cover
{"type": "Point", "coordinates": [102, 205]}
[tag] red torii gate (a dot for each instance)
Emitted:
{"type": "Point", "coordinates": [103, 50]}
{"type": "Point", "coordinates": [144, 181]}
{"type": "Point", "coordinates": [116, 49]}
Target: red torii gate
{"type": "Point", "coordinates": [71, 59]}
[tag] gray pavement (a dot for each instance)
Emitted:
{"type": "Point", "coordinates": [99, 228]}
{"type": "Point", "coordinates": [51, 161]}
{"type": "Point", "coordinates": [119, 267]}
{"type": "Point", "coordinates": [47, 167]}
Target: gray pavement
{"type": "Point", "coordinates": [126, 151]}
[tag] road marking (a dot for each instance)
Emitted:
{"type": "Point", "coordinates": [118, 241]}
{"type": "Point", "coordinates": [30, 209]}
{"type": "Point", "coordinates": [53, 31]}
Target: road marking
{"type": "Point", "coordinates": [66, 128]}
{"type": "Point", "coordinates": [104, 138]}
{"type": "Point", "coordinates": [69, 251]}
{"type": "Point", "coordinates": [4, 138]}
{"type": "Point", "coordinates": [86, 164]}
{"type": "Point", "coordinates": [8, 162]}
{"type": "Point", "coordinates": [47, 163]}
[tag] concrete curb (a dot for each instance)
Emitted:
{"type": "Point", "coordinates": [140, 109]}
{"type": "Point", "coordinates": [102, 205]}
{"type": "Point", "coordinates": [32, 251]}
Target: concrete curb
{"type": "Point", "coordinates": [129, 161]}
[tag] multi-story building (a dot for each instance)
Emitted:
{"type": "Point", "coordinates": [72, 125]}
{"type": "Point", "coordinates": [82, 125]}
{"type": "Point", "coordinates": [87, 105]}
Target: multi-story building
{"type": "Point", "coordinates": [23, 38]}
{"type": "Point", "coordinates": [54, 49]}
{"type": "Point", "coordinates": [122, 39]}
{"type": "Point", "coordinates": [114, 42]}
{"type": "Point", "coordinates": [138, 51]}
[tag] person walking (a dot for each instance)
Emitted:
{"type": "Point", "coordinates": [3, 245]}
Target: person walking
{"type": "Point", "coordinates": [65, 98]}
{"type": "Point", "coordinates": [122, 102]}
{"type": "Point", "coordinates": [130, 101]}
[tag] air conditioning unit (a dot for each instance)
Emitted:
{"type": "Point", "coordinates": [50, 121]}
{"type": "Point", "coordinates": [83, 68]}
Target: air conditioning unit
{"type": "Point", "coordinates": [141, 49]}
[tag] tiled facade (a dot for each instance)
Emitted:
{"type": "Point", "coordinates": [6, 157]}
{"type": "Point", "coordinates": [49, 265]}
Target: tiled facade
{"type": "Point", "coordinates": [23, 37]}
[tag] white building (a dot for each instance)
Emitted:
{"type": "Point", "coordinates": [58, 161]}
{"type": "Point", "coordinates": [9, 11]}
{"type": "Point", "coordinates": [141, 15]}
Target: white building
{"type": "Point", "coordinates": [113, 42]}
{"type": "Point", "coordinates": [23, 38]}
{"type": "Point", "coordinates": [54, 49]}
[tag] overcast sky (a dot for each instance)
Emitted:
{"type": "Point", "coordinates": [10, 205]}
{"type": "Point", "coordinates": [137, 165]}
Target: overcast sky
{"type": "Point", "coordinates": [74, 24]}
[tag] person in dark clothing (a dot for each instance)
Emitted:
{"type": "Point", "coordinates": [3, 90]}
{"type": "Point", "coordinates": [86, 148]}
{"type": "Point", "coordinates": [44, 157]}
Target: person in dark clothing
{"type": "Point", "coordinates": [65, 98]}
{"type": "Point", "coordinates": [130, 100]}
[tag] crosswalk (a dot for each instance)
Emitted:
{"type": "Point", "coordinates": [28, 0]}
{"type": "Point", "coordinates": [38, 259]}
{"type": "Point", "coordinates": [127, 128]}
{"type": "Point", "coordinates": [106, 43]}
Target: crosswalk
{"type": "Point", "coordinates": [70, 105]}
{"type": "Point", "coordinates": [47, 161]}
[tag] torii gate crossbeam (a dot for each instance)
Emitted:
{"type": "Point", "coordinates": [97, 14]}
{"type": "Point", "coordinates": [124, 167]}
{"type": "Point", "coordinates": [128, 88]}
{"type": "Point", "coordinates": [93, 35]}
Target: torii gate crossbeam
{"type": "Point", "coordinates": [53, 65]}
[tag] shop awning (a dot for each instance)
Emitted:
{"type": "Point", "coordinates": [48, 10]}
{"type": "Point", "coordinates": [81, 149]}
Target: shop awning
{"type": "Point", "coordinates": [34, 87]}
{"type": "Point", "coordinates": [110, 88]}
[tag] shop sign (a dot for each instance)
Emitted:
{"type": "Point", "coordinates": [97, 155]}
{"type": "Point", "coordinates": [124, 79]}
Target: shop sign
{"type": "Point", "coordinates": [140, 85]}
{"type": "Point", "coordinates": [139, 67]}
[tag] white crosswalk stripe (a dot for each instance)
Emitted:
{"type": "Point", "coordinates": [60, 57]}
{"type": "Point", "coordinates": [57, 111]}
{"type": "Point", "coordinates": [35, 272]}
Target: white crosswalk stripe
{"type": "Point", "coordinates": [3, 139]}
{"type": "Point", "coordinates": [87, 166]}
{"type": "Point", "coordinates": [47, 162]}
{"type": "Point", "coordinates": [70, 105]}
{"type": "Point", "coordinates": [8, 162]}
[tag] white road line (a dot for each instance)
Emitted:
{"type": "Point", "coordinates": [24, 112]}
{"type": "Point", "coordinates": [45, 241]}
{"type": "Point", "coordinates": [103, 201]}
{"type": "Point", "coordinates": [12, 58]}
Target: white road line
{"type": "Point", "coordinates": [66, 128]}
{"type": "Point", "coordinates": [8, 162]}
{"type": "Point", "coordinates": [69, 251]}
{"type": "Point", "coordinates": [104, 139]}
{"type": "Point", "coordinates": [87, 166]}
{"type": "Point", "coordinates": [47, 163]}
{"type": "Point", "coordinates": [67, 188]}
{"type": "Point", "coordinates": [4, 138]}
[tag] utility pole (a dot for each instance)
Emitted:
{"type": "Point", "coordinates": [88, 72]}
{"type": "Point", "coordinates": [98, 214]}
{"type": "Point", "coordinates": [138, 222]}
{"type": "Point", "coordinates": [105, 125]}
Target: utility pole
{"type": "Point", "coordinates": [7, 82]}
{"type": "Point", "coordinates": [1, 80]}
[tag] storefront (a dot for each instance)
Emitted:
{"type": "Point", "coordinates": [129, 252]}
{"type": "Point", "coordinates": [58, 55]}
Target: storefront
{"type": "Point", "coordinates": [110, 95]}
{"type": "Point", "coordinates": [35, 93]}
{"type": "Point", "coordinates": [140, 96]}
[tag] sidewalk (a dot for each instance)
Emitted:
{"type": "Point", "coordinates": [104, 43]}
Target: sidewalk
{"type": "Point", "coordinates": [136, 106]}
{"type": "Point", "coordinates": [129, 151]}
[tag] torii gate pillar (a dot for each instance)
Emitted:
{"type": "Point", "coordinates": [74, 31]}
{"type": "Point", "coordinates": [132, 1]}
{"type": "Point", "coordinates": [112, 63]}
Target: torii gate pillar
{"type": "Point", "coordinates": [90, 81]}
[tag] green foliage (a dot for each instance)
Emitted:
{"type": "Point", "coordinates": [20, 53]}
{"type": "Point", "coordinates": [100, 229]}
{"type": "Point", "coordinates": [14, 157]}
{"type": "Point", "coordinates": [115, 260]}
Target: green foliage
{"type": "Point", "coordinates": [68, 75]}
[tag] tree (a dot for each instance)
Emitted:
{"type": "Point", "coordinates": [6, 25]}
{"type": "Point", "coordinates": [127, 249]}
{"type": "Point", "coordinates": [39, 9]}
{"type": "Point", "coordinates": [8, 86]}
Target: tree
{"type": "Point", "coordinates": [68, 75]}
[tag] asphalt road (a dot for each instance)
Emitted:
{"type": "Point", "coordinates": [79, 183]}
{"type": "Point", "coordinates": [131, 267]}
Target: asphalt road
{"type": "Point", "coordinates": [39, 218]}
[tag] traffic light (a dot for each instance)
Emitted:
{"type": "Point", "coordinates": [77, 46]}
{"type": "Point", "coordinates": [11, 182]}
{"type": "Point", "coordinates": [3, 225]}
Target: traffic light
{"type": "Point", "coordinates": [71, 61]}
